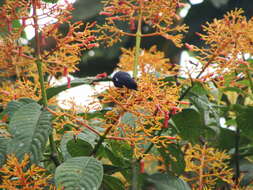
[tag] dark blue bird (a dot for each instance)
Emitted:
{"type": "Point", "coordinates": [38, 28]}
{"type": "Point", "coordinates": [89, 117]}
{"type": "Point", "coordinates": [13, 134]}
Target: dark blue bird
{"type": "Point", "coordinates": [121, 79]}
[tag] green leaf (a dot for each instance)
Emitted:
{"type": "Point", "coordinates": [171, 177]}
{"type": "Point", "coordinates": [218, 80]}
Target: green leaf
{"type": "Point", "coordinates": [110, 169]}
{"type": "Point", "coordinates": [112, 183]}
{"type": "Point", "coordinates": [30, 128]}
{"type": "Point", "coordinates": [209, 115]}
{"type": "Point", "coordinates": [95, 114]}
{"type": "Point", "coordinates": [3, 146]}
{"type": "Point", "coordinates": [160, 181]}
{"type": "Point", "coordinates": [199, 89]}
{"type": "Point", "coordinates": [226, 139]}
{"type": "Point", "coordinates": [189, 124]}
{"type": "Point", "coordinates": [14, 105]}
{"type": "Point", "coordinates": [129, 119]}
{"type": "Point", "coordinates": [63, 145]}
{"type": "Point", "coordinates": [79, 147]}
{"type": "Point", "coordinates": [174, 157]}
{"type": "Point", "coordinates": [86, 136]}
{"type": "Point", "coordinates": [245, 120]}
{"type": "Point", "coordinates": [79, 173]}
{"type": "Point", "coordinates": [120, 153]}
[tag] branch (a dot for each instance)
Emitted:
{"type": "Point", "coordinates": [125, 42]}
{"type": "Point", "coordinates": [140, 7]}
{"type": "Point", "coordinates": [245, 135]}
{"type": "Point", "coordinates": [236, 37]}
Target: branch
{"type": "Point", "coordinates": [54, 152]}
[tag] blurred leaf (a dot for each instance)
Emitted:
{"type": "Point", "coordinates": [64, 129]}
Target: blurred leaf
{"type": "Point", "coordinates": [129, 119]}
{"type": "Point", "coordinates": [111, 183]}
{"type": "Point", "coordinates": [50, 1]}
{"type": "Point", "coordinates": [161, 181]}
{"type": "Point", "coordinates": [246, 169]}
{"type": "Point", "coordinates": [189, 124]}
{"type": "Point", "coordinates": [226, 139]}
{"type": "Point", "coordinates": [199, 89]}
{"type": "Point", "coordinates": [219, 3]}
{"type": "Point", "coordinates": [79, 147]}
{"type": "Point", "coordinates": [174, 157]}
{"type": "Point", "coordinates": [245, 119]}
{"type": "Point", "coordinates": [91, 7]}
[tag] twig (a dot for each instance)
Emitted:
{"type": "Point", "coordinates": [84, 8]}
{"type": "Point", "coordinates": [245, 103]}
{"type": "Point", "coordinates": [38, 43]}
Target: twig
{"type": "Point", "coordinates": [101, 140]}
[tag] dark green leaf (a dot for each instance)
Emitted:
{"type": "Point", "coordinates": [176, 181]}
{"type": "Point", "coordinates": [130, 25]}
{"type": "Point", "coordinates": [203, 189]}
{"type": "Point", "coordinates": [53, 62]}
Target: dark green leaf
{"type": "Point", "coordinates": [85, 135]}
{"type": "Point", "coordinates": [226, 139]}
{"type": "Point", "coordinates": [245, 119]}
{"type": "Point", "coordinates": [189, 124]}
{"type": "Point", "coordinates": [79, 147]}
{"type": "Point", "coordinates": [120, 155]}
{"type": "Point", "coordinates": [112, 183]}
{"type": "Point", "coordinates": [110, 169]}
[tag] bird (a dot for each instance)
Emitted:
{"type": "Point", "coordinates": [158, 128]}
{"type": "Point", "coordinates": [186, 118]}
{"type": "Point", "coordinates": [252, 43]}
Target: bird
{"type": "Point", "coordinates": [121, 79]}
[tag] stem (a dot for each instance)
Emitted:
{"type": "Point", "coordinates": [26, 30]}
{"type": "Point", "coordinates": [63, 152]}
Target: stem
{"type": "Point", "coordinates": [237, 155]}
{"type": "Point", "coordinates": [134, 174]}
{"type": "Point", "coordinates": [54, 153]}
{"type": "Point", "coordinates": [201, 168]}
{"type": "Point", "coordinates": [41, 80]}
{"type": "Point", "coordinates": [101, 140]}
{"type": "Point", "coordinates": [137, 44]}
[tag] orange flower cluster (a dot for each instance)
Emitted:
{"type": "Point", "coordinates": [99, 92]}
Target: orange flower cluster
{"type": "Point", "coordinates": [16, 58]}
{"type": "Point", "coordinates": [16, 175]}
{"type": "Point", "coordinates": [160, 15]}
{"type": "Point", "coordinates": [66, 53]}
{"type": "Point", "coordinates": [21, 88]}
{"type": "Point", "coordinates": [207, 165]}
{"type": "Point", "coordinates": [139, 115]}
{"type": "Point", "coordinates": [149, 61]}
{"type": "Point", "coordinates": [227, 41]}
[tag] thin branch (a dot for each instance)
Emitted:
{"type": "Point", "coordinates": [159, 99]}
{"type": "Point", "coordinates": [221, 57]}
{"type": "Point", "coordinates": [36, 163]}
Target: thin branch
{"type": "Point", "coordinates": [137, 44]}
{"type": "Point", "coordinates": [54, 152]}
{"type": "Point", "coordinates": [101, 140]}
{"type": "Point", "coordinates": [237, 155]}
